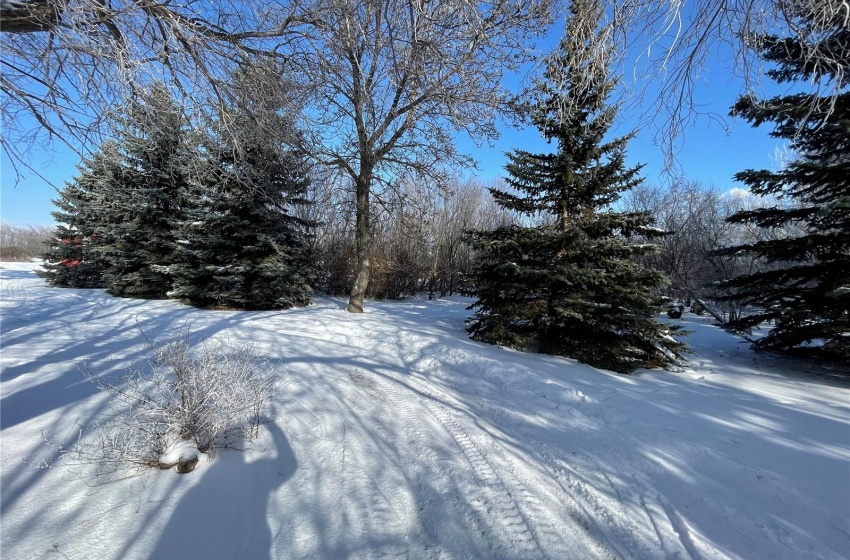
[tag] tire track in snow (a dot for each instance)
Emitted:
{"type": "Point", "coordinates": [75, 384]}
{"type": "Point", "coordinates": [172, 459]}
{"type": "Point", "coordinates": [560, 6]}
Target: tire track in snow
{"type": "Point", "coordinates": [315, 428]}
{"type": "Point", "coordinates": [529, 519]}
{"type": "Point", "coordinates": [672, 537]}
{"type": "Point", "coordinates": [679, 527]}
{"type": "Point", "coordinates": [506, 509]}
{"type": "Point", "coordinates": [403, 409]}
{"type": "Point", "coordinates": [288, 418]}
{"type": "Point", "coordinates": [389, 510]}
{"type": "Point", "coordinates": [364, 512]}
{"type": "Point", "coordinates": [603, 546]}
{"type": "Point", "coordinates": [374, 506]}
{"type": "Point", "coordinates": [600, 521]}
{"type": "Point", "coordinates": [671, 532]}
{"type": "Point", "coordinates": [656, 515]}
{"type": "Point", "coordinates": [502, 507]}
{"type": "Point", "coordinates": [408, 404]}
{"type": "Point", "coordinates": [386, 512]}
{"type": "Point", "coordinates": [13, 296]}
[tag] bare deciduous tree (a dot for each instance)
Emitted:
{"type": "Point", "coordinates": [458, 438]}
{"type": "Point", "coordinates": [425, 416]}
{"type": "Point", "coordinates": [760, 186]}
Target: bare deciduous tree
{"type": "Point", "coordinates": [695, 216]}
{"type": "Point", "coordinates": [466, 206]}
{"type": "Point", "coordinates": [418, 236]}
{"type": "Point", "coordinates": [395, 80]}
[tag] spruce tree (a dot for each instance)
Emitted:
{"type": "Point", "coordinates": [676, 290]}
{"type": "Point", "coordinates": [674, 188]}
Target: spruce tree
{"type": "Point", "coordinates": [572, 287]}
{"type": "Point", "coordinates": [72, 260]}
{"type": "Point", "coordinates": [147, 198]}
{"type": "Point", "coordinates": [806, 291]}
{"type": "Point", "coordinates": [241, 244]}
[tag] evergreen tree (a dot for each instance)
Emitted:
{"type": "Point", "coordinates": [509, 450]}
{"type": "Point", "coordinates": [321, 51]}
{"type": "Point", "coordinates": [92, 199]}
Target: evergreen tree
{"type": "Point", "coordinates": [807, 290]}
{"type": "Point", "coordinates": [241, 244]}
{"type": "Point", "coordinates": [71, 260]}
{"type": "Point", "coordinates": [146, 199]}
{"type": "Point", "coordinates": [572, 287]}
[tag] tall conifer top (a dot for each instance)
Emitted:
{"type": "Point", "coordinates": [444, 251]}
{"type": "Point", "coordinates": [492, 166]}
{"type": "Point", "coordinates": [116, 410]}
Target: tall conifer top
{"type": "Point", "coordinates": [585, 172]}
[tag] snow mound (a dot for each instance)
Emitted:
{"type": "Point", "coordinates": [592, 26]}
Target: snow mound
{"type": "Point", "coordinates": [184, 455]}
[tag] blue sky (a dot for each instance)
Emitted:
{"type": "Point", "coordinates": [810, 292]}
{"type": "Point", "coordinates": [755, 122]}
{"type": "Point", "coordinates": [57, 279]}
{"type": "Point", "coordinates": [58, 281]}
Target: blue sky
{"type": "Point", "coordinates": [709, 153]}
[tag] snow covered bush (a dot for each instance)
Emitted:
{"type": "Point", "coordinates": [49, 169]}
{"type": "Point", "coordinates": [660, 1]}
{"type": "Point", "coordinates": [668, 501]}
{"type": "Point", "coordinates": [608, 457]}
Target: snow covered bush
{"type": "Point", "coordinates": [180, 402]}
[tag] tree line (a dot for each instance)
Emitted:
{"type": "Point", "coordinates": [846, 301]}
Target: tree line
{"type": "Point", "coordinates": [22, 242]}
{"type": "Point", "coordinates": [570, 256]}
{"type": "Point", "coordinates": [237, 215]}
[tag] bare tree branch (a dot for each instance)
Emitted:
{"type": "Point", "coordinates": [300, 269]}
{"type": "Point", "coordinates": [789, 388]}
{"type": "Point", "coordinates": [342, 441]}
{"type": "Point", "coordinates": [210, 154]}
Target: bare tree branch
{"type": "Point", "coordinates": [76, 61]}
{"type": "Point", "coordinates": [667, 46]}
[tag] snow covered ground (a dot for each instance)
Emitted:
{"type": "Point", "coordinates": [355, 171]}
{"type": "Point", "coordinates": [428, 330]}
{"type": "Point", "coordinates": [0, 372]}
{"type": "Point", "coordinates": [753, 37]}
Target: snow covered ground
{"type": "Point", "coordinates": [397, 437]}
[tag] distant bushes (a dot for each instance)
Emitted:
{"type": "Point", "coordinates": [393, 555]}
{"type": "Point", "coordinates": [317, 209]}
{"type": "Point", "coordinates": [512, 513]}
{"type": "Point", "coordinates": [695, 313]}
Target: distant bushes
{"type": "Point", "coordinates": [418, 234]}
{"type": "Point", "coordinates": [22, 243]}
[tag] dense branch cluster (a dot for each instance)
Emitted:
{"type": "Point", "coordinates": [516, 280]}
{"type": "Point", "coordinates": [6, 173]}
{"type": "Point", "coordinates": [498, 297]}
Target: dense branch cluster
{"type": "Point", "coordinates": [183, 399]}
{"type": "Point", "coordinates": [63, 76]}
{"type": "Point", "coordinates": [695, 217]}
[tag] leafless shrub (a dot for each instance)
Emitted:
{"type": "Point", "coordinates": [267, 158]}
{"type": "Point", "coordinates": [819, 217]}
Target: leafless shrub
{"type": "Point", "coordinates": [208, 397]}
{"type": "Point", "coordinates": [418, 232]}
{"type": "Point", "coordinates": [695, 215]}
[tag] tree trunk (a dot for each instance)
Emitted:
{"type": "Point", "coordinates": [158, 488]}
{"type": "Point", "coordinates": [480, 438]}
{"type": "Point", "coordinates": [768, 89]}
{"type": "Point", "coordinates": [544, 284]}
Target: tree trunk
{"type": "Point", "coordinates": [363, 243]}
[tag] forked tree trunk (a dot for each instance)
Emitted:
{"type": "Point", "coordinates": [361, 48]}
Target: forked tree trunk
{"type": "Point", "coordinates": [363, 243]}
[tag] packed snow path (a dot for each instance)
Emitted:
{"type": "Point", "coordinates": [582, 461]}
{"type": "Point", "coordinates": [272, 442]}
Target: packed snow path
{"type": "Point", "coordinates": [397, 437]}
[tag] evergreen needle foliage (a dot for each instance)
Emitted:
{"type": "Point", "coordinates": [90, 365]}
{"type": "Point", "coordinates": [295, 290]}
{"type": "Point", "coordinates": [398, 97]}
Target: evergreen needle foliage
{"type": "Point", "coordinates": [71, 259]}
{"type": "Point", "coordinates": [572, 287]}
{"type": "Point", "coordinates": [146, 199]}
{"type": "Point", "coordinates": [239, 247]}
{"type": "Point", "coordinates": [807, 290]}
{"type": "Point", "coordinates": [209, 216]}
{"type": "Point", "coordinates": [240, 244]}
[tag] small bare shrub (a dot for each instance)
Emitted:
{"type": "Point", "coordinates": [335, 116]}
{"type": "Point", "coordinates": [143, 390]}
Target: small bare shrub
{"type": "Point", "coordinates": [204, 398]}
